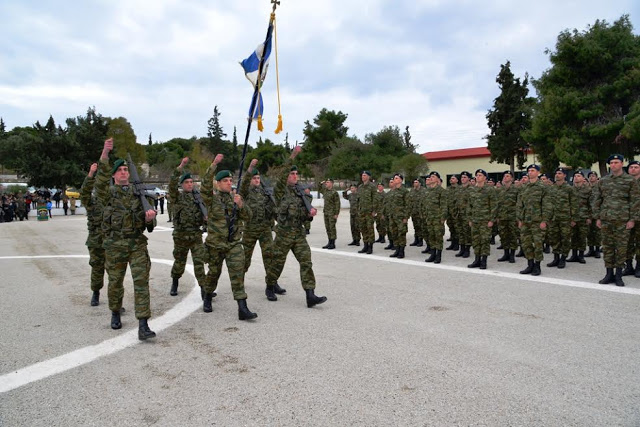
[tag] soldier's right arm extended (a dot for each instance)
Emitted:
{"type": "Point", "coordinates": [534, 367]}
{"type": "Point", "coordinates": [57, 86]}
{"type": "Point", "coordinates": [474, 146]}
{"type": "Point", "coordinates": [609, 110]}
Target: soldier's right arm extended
{"type": "Point", "coordinates": [85, 191]}
{"type": "Point", "coordinates": [102, 181]}
{"type": "Point", "coordinates": [207, 185]}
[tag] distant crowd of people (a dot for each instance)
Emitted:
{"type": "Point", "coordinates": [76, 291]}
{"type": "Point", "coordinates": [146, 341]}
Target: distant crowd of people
{"type": "Point", "coordinates": [16, 206]}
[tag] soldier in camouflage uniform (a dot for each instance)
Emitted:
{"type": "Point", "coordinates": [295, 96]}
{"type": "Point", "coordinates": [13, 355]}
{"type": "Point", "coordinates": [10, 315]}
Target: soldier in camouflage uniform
{"type": "Point", "coordinates": [187, 227]}
{"type": "Point", "coordinates": [331, 211]}
{"type": "Point", "coordinates": [225, 223]}
{"type": "Point", "coordinates": [414, 202]}
{"type": "Point", "coordinates": [386, 214]}
{"type": "Point", "coordinates": [583, 220]}
{"type": "Point", "coordinates": [123, 224]}
{"type": "Point", "coordinates": [533, 212]}
{"type": "Point", "coordinates": [398, 216]}
{"type": "Point", "coordinates": [453, 213]}
{"type": "Point", "coordinates": [292, 213]}
{"type": "Point", "coordinates": [94, 239]}
{"type": "Point", "coordinates": [352, 197]}
{"type": "Point", "coordinates": [462, 203]}
{"type": "Point", "coordinates": [507, 199]}
{"type": "Point", "coordinates": [634, 238]}
{"type": "Point", "coordinates": [565, 214]}
{"type": "Point", "coordinates": [482, 212]}
{"type": "Point", "coordinates": [594, 235]}
{"type": "Point", "coordinates": [258, 228]}
{"type": "Point", "coordinates": [21, 207]}
{"type": "Point", "coordinates": [366, 212]}
{"type": "Point", "coordinates": [307, 224]}
{"type": "Point", "coordinates": [616, 205]}
{"type": "Point", "coordinates": [434, 206]}
{"type": "Point", "coordinates": [380, 221]}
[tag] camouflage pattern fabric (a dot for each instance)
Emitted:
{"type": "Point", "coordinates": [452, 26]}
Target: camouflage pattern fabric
{"type": "Point", "coordinates": [353, 214]}
{"type": "Point", "coordinates": [331, 209]}
{"type": "Point", "coordinates": [565, 203]}
{"type": "Point", "coordinates": [94, 238]}
{"type": "Point", "coordinates": [464, 229]}
{"type": "Point", "coordinates": [579, 235]}
{"type": "Point", "coordinates": [507, 199]}
{"type": "Point", "coordinates": [534, 207]}
{"type": "Point", "coordinates": [434, 210]}
{"type": "Point", "coordinates": [380, 220]}
{"type": "Point", "coordinates": [366, 209]}
{"type": "Point", "coordinates": [414, 202]}
{"type": "Point", "coordinates": [451, 194]}
{"type": "Point", "coordinates": [398, 215]}
{"type": "Point", "coordinates": [481, 209]}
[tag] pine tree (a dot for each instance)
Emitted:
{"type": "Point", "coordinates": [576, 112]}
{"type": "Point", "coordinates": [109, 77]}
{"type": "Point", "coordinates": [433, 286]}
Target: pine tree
{"type": "Point", "coordinates": [150, 142]}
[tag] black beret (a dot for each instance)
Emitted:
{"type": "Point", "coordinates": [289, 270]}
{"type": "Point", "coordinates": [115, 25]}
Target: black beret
{"type": "Point", "coordinates": [482, 171]}
{"type": "Point", "coordinates": [366, 173]}
{"type": "Point", "coordinates": [507, 173]}
{"type": "Point", "coordinates": [579, 172]}
{"type": "Point", "coordinates": [465, 173]}
{"type": "Point", "coordinates": [394, 175]}
{"type": "Point", "coordinates": [434, 173]}
{"type": "Point", "coordinates": [615, 157]}
{"type": "Point", "coordinates": [634, 162]}
{"type": "Point", "coordinates": [593, 173]}
{"type": "Point", "coordinates": [117, 164]}
{"type": "Point", "coordinates": [534, 166]}
{"type": "Point", "coordinates": [563, 170]}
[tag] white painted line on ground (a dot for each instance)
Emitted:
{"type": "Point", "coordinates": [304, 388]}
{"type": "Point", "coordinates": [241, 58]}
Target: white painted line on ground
{"type": "Point", "coordinates": [494, 273]}
{"type": "Point", "coordinates": [79, 357]}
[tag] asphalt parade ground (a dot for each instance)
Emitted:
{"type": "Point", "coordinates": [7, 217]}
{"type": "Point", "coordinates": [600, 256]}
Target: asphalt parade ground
{"type": "Point", "coordinates": [398, 343]}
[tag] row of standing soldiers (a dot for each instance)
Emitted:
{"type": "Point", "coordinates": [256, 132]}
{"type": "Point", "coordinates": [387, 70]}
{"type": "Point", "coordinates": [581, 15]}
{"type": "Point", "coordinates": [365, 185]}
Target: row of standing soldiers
{"type": "Point", "coordinates": [532, 213]}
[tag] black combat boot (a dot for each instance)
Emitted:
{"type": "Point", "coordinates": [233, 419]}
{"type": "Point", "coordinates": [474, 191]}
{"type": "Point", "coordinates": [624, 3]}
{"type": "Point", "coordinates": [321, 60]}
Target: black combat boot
{"type": "Point", "coordinates": [467, 251]}
{"type": "Point", "coordinates": [313, 299]}
{"type": "Point", "coordinates": [201, 293]}
{"type": "Point", "coordinates": [95, 298]}
{"type": "Point", "coordinates": [574, 256]}
{"type": "Point", "coordinates": [389, 246]}
{"type": "Point", "coordinates": [581, 257]}
{"type": "Point", "coordinates": [270, 292]}
{"type": "Point", "coordinates": [461, 252]}
{"type": "Point", "coordinates": [354, 243]}
{"type": "Point", "coordinates": [562, 263]}
{"type": "Point", "coordinates": [419, 245]}
{"type": "Point", "coordinates": [332, 244]}
{"type": "Point", "coordinates": [115, 320]}
{"type": "Point", "coordinates": [206, 305]}
{"type": "Point", "coordinates": [483, 262]}
{"type": "Point", "coordinates": [608, 278]}
{"type": "Point", "coordinates": [174, 287]}
{"type": "Point", "coordinates": [628, 268]}
{"type": "Point", "coordinates": [512, 256]}
{"type": "Point", "coordinates": [596, 253]}
{"type": "Point", "coordinates": [475, 263]}
{"type": "Point", "coordinates": [415, 241]}
{"type": "Point", "coordinates": [395, 253]}
{"type": "Point", "coordinates": [426, 250]}
{"type": "Point", "coordinates": [501, 246]}
{"type": "Point", "coordinates": [493, 240]}
{"type": "Point", "coordinates": [144, 333]}
{"type": "Point", "coordinates": [243, 311]}
{"type": "Point", "coordinates": [370, 248]}
{"type": "Point", "coordinates": [520, 253]}
{"type": "Point", "coordinates": [637, 274]}
{"type": "Point", "coordinates": [327, 245]}
{"type": "Point", "coordinates": [546, 248]}
{"type": "Point", "coordinates": [432, 257]}
{"type": "Point", "coordinates": [618, 278]}
{"type": "Point", "coordinates": [364, 249]}
{"type": "Point", "coordinates": [590, 252]}
{"type": "Point", "coordinates": [529, 268]}
{"type": "Point", "coordinates": [438, 259]}
{"type": "Point", "coordinates": [536, 269]}
{"type": "Point", "coordinates": [307, 232]}
{"type": "Point", "coordinates": [454, 246]}
{"type": "Point", "coordinates": [279, 290]}
{"type": "Point", "coordinates": [401, 252]}
{"type": "Point", "coordinates": [504, 257]}
{"type": "Point", "coordinates": [381, 239]}
{"type": "Point", "coordinates": [556, 260]}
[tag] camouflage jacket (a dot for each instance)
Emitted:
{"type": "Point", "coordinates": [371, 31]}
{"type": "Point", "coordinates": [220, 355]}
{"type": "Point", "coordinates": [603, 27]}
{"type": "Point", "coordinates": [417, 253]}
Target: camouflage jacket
{"type": "Point", "coordinates": [434, 204]}
{"type": "Point", "coordinates": [260, 204]}
{"type": "Point", "coordinates": [93, 207]}
{"type": "Point", "coordinates": [616, 198]}
{"type": "Point", "coordinates": [483, 204]}
{"type": "Point", "coordinates": [366, 197]}
{"type": "Point", "coordinates": [462, 201]}
{"type": "Point", "coordinates": [290, 207]}
{"type": "Point", "coordinates": [380, 196]}
{"type": "Point", "coordinates": [187, 217]}
{"type": "Point", "coordinates": [353, 201]}
{"type": "Point", "coordinates": [397, 206]}
{"type": "Point", "coordinates": [220, 208]}
{"type": "Point", "coordinates": [565, 202]}
{"type": "Point", "coordinates": [414, 200]}
{"type": "Point", "coordinates": [534, 205]}
{"type": "Point", "coordinates": [583, 193]}
{"type": "Point", "coordinates": [507, 200]}
{"type": "Point", "coordinates": [331, 201]}
{"type": "Point", "coordinates": [452, 193]}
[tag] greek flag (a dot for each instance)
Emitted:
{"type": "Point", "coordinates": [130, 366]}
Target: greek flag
{"type": "Point", "coordinates": [251, 67]}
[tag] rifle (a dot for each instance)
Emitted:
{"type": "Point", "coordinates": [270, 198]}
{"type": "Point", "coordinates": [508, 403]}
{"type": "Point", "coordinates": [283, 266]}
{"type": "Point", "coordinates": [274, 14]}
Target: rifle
{"type": "Point", "coordinates": [139, 189]}
{"type": "Point", "coordinates": [198, 198]}
{"type": "Point", "coordinates": [299, 191]}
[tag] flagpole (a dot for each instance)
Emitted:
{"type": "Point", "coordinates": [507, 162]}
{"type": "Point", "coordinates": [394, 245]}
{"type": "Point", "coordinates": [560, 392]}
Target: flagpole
{"type": "Point", "coordinates": [252, 109]}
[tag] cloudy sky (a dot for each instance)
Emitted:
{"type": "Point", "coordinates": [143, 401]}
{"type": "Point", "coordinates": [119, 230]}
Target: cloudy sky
{"type": "Point", "coordinates": [164, 64]}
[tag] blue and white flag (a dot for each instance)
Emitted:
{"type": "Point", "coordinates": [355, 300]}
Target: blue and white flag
{"type": "Point", "coordinates": [251, 67]}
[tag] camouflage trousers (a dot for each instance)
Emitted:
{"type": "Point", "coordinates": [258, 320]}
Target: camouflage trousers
{"type": "Point", "coordinates": [265, 238]}
{"type": "Point", "coordinates": [233, 254]}
{"type": "Point", "coordinates": [633, 249]}
{"type": "Point", "coordinates": [365, 224]}
{"type": "Point", "coordinates": [132, 251]}
{"type": "Point", "coordinates": [381, 225]}
{"type": "Point", "coordinates": [532, 240]}
{"type": "Point", "coordinates": [559, 236]}
{"type": "Point", "coordinates": [579, 235]}
{"type": "Point", "coordinates": [435, 232]}
{"type": "Point", "coordinates": [398, 230]}
{"type": "Point", "coordinates": [330, 226]}
{"type": "Point", "coordinates": [182, 244]}
{"type": "Point", "coordinates": [594, 235]}
{"type": "Point", "coordinates": [464, 230]}
{"type": "Point", "coordinates": [296, 242]}
{"type": "Point", "coordinates": [418, 226]}
{"type": "Point", "coordinates": [509, 233]}
{"type": "Point", "coordinates": [355, 229]}
{"type": "Point", "coordinates": [481, 238]}
{"type": "Point", "coordinates": [96, 261]}
{"type": "Point", "coordinates": [307, 225]}
{"type": "Point", "coordinates": [453, 229]}
{"type": "Point", "coordinates": [615, 240]}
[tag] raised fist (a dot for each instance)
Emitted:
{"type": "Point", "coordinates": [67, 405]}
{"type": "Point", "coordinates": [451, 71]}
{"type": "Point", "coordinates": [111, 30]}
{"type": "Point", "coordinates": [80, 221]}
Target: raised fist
{"type": "Point", "coordinates": [108, 145]}
{"type": "Point", "coordinates": [184, 162]}
{"type": "Point", "coordinates": [218, 159]}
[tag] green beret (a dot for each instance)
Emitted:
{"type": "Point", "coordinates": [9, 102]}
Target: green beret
{"type": "Point", "coordinates": [255, 172]}
{"type": "Point", "coordinates": [223, 174]}
{"type": "Point", "coordinates": [117, 164]}
{"type": "Point", "coordinates": [293, 168]}
{"type": "Point", "coordinates": [184, 176]}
